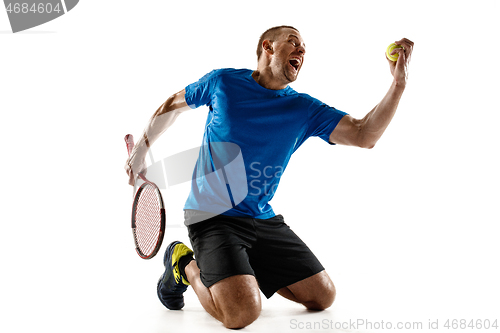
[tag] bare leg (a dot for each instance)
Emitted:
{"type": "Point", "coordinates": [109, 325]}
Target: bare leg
{"type": "Point", "coordinates": [315, 293]}
{"type": "Point", "coordinates": [234, 301]}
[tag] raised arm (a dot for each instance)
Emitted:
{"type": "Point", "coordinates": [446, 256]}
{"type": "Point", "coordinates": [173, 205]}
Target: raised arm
{"type": "Point", "coordinates": [367, 131]}
{"type": "Point", "coordinates": [161, 120]}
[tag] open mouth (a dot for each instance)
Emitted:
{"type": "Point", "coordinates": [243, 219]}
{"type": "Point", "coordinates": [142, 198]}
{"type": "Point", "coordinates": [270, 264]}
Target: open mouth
{"type": "Point", "coordinates": [295, 63]}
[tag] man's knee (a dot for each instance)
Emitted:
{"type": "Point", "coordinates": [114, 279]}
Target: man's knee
{"type": "Point", "coordinates": [237, 300]}
{"type": "Point", "coordinates": [242, 316]}
{"type": "Point", "coordinates": [315, 293]}
{"type": "Point", "coordinates": [324, 300]}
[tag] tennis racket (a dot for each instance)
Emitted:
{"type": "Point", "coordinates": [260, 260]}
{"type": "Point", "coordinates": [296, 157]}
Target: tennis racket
{"type": "Point", "coordinates": [148, 215]}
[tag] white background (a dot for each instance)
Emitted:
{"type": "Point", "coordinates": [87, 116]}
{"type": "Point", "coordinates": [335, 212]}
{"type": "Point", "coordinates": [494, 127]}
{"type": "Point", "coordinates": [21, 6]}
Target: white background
{"type": "Point", "coordinates": [407, 230]}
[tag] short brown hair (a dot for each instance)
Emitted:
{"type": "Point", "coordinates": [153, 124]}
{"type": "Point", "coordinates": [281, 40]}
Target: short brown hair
{"type": "Point", "coordinates": [270, 34]}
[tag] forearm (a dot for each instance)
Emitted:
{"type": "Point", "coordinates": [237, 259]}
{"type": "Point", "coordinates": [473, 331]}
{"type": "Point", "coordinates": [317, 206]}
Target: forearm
{"type": "Point", "coordinates": [374, 124]}
{"type": "Point", "coordinates": [161, 120]}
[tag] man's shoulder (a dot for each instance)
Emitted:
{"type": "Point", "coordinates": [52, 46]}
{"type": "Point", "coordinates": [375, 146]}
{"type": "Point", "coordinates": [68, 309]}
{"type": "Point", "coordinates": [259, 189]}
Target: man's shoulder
{"type": "Point", "coordinates": [306, 98]}
{"type": "Point", "coordinates": [231, 71]}
{"type": "Point", "coordinates": [223, 74]}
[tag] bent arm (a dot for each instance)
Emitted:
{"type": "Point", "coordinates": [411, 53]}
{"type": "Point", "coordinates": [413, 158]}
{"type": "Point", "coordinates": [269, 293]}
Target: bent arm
{"type": "Point", "coordinates": [161, 120]}
{"type": "Point", "coordinates": [367, 131]}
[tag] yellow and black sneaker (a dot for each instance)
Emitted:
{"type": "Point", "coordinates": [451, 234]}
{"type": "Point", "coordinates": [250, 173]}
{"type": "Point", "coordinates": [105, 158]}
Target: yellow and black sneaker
{"type": "Point", "coordinates": [172, 285]}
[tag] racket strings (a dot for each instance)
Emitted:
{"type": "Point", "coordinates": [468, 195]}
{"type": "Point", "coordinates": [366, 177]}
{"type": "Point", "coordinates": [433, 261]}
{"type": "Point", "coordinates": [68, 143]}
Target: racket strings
{"type": "Point", "coordinates": [147, 220]}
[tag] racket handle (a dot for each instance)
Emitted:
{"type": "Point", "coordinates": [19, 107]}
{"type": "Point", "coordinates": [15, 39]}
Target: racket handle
{"type": "Point", "coordinates": [129, 140]}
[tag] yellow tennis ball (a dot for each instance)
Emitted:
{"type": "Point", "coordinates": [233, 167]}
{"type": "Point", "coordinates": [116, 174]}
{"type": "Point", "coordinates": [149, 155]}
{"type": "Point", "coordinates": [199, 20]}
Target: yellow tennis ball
{"type": "Point", "coordinates": [390, 48]}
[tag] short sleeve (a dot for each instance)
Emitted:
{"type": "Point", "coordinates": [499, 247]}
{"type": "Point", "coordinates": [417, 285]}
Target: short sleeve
{"type": "Point", "coordinates": [200, 93]}
{"type": "Point", "coordinates": [323, 119]}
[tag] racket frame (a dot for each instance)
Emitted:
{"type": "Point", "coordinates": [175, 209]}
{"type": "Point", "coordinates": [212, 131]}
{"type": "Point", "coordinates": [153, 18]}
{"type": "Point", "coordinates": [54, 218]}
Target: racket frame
{"type": "Point", "coordinates": [161, 233]}
{"type": "Point", "coordinates": [130, 145]}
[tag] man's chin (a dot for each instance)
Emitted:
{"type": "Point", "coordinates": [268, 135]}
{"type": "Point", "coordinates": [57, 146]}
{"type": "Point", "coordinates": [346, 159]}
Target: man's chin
{"type": "Point", "coordinates": [291, 77]}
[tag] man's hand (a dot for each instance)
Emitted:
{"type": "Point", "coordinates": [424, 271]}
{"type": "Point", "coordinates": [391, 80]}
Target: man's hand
{"type": "Point", "coordinates": [399, 68]}
{"type": "Point", "coordinates": [135, 165]}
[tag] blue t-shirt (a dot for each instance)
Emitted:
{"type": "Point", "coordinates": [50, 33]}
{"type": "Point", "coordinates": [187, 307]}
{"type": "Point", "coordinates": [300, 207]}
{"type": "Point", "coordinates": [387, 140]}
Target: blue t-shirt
{"type": "Point", "coordinates": [250, 134]}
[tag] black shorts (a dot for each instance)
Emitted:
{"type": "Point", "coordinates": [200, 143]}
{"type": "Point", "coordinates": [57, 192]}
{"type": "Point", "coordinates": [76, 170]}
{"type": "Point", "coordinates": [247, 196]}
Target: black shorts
{"type": "Point", "coordinates": [268, 249]}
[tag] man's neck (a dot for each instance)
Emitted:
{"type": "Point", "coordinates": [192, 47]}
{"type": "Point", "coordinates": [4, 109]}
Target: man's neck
{"type": "Point", "coordinates": [266, 79]}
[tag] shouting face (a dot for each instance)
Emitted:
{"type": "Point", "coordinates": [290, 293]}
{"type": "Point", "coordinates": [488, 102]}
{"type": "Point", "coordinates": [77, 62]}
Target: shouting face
{"type": "Point", "coordinates": [288, 52]}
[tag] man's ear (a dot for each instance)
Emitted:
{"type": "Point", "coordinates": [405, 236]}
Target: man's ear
{"type": "Point", "coordinates": [268, 46]}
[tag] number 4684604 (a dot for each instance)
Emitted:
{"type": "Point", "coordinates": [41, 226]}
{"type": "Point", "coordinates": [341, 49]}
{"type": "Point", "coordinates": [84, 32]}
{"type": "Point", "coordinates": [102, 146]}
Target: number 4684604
{"type": "Point", "coordinates": [25, 8]}
{"type": "Point", "coordinates": [470, 324]}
